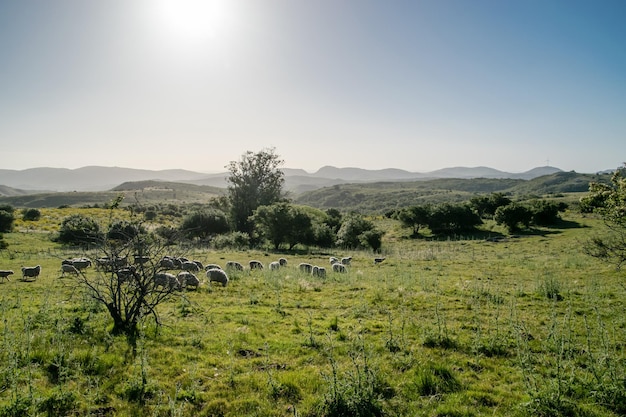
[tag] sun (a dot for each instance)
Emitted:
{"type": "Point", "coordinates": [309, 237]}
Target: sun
{"type": "Point", "coordinates": [193, 20]}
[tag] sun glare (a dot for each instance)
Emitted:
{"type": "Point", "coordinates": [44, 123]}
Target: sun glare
{"type": "Point", "coordinates": [193, 20]}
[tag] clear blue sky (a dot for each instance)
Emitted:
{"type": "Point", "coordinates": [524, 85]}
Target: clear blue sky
{"type": "Point", "coordinates": [416, 84]}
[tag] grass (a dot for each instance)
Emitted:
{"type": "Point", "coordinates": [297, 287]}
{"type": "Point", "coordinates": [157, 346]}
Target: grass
{"type": "Point", "coordinates": [440, 328]}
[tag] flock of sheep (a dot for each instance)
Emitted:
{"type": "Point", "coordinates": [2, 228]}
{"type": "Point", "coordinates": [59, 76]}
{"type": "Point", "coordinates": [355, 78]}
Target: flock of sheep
{"type": "Point", "coordinates": [186, 278]}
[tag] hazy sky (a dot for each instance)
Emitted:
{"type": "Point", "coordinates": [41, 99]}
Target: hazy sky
{"type": "Point", "coordinates": [416, 84]}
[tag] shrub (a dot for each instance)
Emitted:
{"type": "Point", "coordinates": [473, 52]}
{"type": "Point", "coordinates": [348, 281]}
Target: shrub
{"type": "Point", "coordinates": [79, 230]}
{"type": "Point", "coordinates": [31, 214]}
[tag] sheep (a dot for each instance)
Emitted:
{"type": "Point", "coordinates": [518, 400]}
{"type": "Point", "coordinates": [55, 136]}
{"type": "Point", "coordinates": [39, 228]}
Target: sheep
{"type": "Point", "coordinates": [339, 268]}
{"type": "Point", "coordinates": [68, 269]}
{"type": "Point", "coordinates": [200, 266]}
{"type": "Point", "coordinates": [139, 259]}
{"type": "Point", "coordinates": [111, 264]}
{"type": "Point", "coordinates": [31, 272]}
{"type": "Point", "coordinates": [215, 266]}
{"type": "Point", "coordinates": [187, 279]}
{"type": "Point", "coordinates": [125, 274]}
{"type": "Point", "coordinates": [166, 280]}
{"type": "Point", "coordinates": [4, 274]}
{"type": "Point", "coordinates": [217, 275]}
{"type": "Point", "coordinates": [346, 260]}
{"type": "Point", "coordinates": [189, 266]}
{"type": "Point", "coordinates": [275, 266]}
{"type": "Point", "coordinates": [282, 261]}
{"type": "Point", "coordinates": [318, 271]}
{"type": "Point", "coordinates": [333, 260]}
{"type": "Point", "coordinates": [305, 267]}
{"type": "Point", "coordinates": [81, 263]}
{"type": "Point", "coordinates": [234, 265]}
{"type": "Point", "coordinates": [166, 263]}
{"type": "Point", "coordinates": [255, 265]}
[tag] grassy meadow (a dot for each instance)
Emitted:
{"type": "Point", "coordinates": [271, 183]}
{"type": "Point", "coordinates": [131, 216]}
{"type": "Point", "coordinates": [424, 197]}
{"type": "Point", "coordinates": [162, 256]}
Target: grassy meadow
{"type": "Point", "coordinates": [525, 326]}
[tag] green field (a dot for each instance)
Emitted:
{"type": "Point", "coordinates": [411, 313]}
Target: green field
{"type": "Point", "coordinates": [463, 327]}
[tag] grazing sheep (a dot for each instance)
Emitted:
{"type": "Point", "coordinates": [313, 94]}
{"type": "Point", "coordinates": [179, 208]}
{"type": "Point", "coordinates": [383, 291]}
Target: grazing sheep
{"type": "Point", "coordinates": [305, 267]}
{"type": "Point", "coordinates": [166, 263]}
{"type": "Point", "coordinates": [346, 260]}
{"type": "Point", "coordinates": [111, 264]}
{"type": "Point", "coordinates": [234, 265]}
{"type": "Point", "coordinates": [282, 261]}
{"type": "Point", "coordinates": [68, 269]}
{"type": "Point", "coordinates": [4, 274]}
{"type": "Point", "coordinates": [333, 260]}
{"type": "Point", "coordinates": [126, 274]}
{"type": "Point", "coordinates": [166, 280]}
{"type": "Point", "coordinates": [217, 275]}
{"type": "Point", "coordinates": [274, 266]}
{"type": "Point", "coordinates": [318, 271]}
{"type": "Point", "coordinates": [81, 263]}
{"type": "Point", "coordinates": [215, 266]}
{"type": "Point", "coordinates": [339, 268]}
{"type": "Point", "coordinates": [31, 272]}
{"type": "Point", "coordinates": [141, 259]}
{"type": "Point", "coordinates": [378, 260]}
{"type": "Point", "coordinates": [255, 265]}
{"type": "Point", "coordinates": [189, 266]}
{"type": "Point", "coordinates": [187, 279]}
{"type": "Point", "coordinates": [200, 266]}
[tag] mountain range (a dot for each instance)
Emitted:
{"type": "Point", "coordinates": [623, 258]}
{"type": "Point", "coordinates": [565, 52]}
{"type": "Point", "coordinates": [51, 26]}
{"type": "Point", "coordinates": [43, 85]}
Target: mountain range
{"type": "Point", "coordinates": [98, 178]}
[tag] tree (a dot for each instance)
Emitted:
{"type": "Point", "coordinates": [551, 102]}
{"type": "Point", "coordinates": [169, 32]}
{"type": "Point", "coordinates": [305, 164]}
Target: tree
{"type": "Point", "coordinates": [513, 216]}
{"type": "Point", "coordinates": [129, 292]}
{"type": "Point", "coordinates": [452, 218]}
{"type": "Point", "coordinates": [205, 223]}
{"type": "Point", "coordinates": [355, 231]}
{"type": "Point", "coordinates": [486, 206]}
{"type": "Point", "coordinates": [79, 230]}
{"type": "Point", "coordinates": [283, 223]}
{"type": "Point", "coordinates": [255, 180]}
{"type": "Point", "coordinates": [414, 218]}
{"type": "Point", "coordinates": [6, 218]}
{"type": "Point", "coordinates": [31, 214]}
{"type": "Point", "coordinates": [124, 231]}
{"type": "Point", "coordinates": [609, 201]}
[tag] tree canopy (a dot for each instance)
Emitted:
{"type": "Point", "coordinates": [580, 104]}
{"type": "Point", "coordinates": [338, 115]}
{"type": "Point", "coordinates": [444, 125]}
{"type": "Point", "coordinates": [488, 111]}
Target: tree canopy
{"type": "Point", "coordinates": [255, 180]}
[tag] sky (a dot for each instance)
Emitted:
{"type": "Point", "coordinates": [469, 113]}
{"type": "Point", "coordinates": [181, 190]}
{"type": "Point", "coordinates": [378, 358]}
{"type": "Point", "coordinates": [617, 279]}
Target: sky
{"type": "Point", "coordinates": [411, 84]}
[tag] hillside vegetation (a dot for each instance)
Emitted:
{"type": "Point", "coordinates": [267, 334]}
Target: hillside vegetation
{"type": "Point", "coordinates": [366, 197]}
{"type": "Point", "coordinates": [382, 196]}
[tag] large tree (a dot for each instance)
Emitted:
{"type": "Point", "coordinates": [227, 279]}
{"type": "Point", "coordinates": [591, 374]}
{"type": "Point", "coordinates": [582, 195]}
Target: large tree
{"type": "Point", "coordinates": [609, 201]}
{"type": "Point", "coordinates": [255, 180]}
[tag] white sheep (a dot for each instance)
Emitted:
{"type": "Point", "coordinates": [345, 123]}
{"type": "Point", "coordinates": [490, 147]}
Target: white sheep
{"type": "Point", "coordinates": [166, 280]}
{"type": "Point", "coordinates": [318, 271]}
{"type": "Point", "coordinates": [187, 279]}
{"type": "Point", "coordinates": [217, 275]}
{"type": "Point", "coordinates": [166, 263]}
{"type": "Point", "coordinates": [305, 267]}
{"type": "Point", "coordinates": [333, 260]}
{"type": "Point", "coordinates": [346, 260]}
{"type": "Point", "coordinates": [4, 274]}
{"type": "Point", "coordinates": [31, 271]}
{"type": "Point", "coordinates": [255, 265]}
{"type": "Point", "coordinates": [215, 266]}
{"type": "Point", "coordinates": [234, 265]}
{"type": "Point", "coordinates": [274, 266]}
{"type": "Point", "coordinates": [189, 266]}
{"type": "Point", "coordinates": [81, 263]}
{"type": "Point", "coordinates": [337, 267]}
{"type": "Point", "coordinates": [68, 269]}
{"type": "Point", "coordinates": [282, 261]}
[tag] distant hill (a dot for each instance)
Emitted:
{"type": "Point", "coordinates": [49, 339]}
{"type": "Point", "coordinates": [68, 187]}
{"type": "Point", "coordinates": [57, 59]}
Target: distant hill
{"type": "Point", "coordinates": [383, 196]}
{"type": "Point", "coordinates": [91, 178]}
{"type": "Point", "coordinates": [96, 178]}
{"type": "Point", "coordinates": [10, 191]}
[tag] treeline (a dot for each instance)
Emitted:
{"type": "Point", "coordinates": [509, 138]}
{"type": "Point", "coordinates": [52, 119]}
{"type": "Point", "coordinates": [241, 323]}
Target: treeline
{"type": "Point", "coordinates": [447, 218]}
